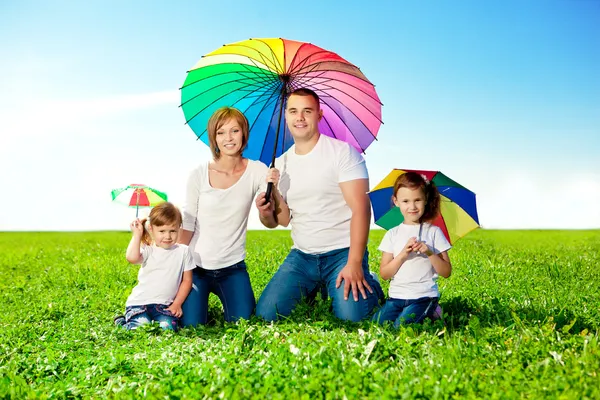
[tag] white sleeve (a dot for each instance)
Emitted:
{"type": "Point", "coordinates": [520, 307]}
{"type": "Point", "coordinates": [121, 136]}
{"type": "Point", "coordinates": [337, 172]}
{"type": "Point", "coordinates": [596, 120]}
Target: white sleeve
{"type": "Point", "coordinates": [386, 244]}
{"type": "Point", "coordinates": [188, 261]}
{"type": "Point", "coordinates": [352, 165]}
{"type": "Point", "coordinates": [190, 208]}
{"type": "Point", "coordinates": [440, 243]}
{"type": "Point", "coordinates": [260, 177]}
{"type": "Point", "coordinates": [145, 251]}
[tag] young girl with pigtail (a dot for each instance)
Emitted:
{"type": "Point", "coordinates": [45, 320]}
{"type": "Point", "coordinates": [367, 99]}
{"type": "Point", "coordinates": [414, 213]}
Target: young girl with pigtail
{"type": "Point", "coordinates": [165, 276]}
{"type": "Point", "coordinates": [414, 253]}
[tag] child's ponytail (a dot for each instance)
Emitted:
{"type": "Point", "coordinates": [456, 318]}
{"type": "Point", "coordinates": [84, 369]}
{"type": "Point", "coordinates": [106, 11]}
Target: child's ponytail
{"type": "Point", "coordinates": [146, 238]}
{"type": "Point", "coordinates": [432, 208]}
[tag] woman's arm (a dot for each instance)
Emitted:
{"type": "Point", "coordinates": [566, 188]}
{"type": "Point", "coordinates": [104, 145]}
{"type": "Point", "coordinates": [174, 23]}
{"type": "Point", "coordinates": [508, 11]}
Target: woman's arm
{"type": "Point", "coordinates": [184, 289]}
{"type": "Point", "coordinates": [185, 237]}
{"type": "Point", "coordinates": [190, 209]}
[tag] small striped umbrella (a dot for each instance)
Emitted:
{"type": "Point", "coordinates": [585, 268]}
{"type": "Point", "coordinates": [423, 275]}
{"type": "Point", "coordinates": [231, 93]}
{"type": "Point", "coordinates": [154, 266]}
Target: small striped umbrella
{"type": "Point", "coordinates": [136, 195]}
{"type": "Point", "coordinates": [458, 209]}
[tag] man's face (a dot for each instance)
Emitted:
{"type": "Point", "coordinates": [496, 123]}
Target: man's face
{"type": "Point", "coordinates": [302, 116]}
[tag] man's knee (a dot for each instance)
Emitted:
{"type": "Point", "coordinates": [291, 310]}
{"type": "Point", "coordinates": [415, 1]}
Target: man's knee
{"type": "Point", "coordinates": [266, 309]}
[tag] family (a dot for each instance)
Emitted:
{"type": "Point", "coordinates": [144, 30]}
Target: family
{"type": "Point", "coordinates": [320, 189]}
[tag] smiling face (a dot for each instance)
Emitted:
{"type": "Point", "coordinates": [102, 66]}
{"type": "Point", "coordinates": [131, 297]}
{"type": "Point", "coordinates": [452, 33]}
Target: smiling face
{"type": "Point", "coordinates": [229, 138]}
{"type": "Point", "coordinates": [411, 203]}
{"type": "Point", "coordinates": [302, 115]}
{"type": "Point", "coordinates": [165, 236]}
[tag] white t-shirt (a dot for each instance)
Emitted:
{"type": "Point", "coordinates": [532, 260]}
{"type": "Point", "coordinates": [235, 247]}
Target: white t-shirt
{"type": "Point", "coordinates": [416, 277]}
{"type": "Point", "coordinates": [219, 217]}
{"type": "Point", "coordinates": [310, 184]}
{"type": "Point", "coordinates": [160, 274]}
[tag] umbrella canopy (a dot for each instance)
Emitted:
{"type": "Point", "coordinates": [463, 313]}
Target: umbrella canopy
{"type": "Point", "coordinates": [256, 75]}
{"type": "Point", "coordinates": [458, 210]}
{"type": "Point", "coordinates": [136, 195]}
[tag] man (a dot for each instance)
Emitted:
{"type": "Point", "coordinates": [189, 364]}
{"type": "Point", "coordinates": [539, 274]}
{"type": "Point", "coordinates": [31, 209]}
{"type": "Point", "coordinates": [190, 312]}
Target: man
{"type": "Point", "coordinates": [324, 182]}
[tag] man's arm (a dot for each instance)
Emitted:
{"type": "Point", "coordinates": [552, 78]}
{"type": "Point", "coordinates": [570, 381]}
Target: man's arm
{"type": "Point", "coordinates": [355, 194]}
{"type": "Point", "coordinates": [273, 215]}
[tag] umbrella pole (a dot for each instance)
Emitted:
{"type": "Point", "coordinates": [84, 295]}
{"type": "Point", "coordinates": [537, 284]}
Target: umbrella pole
{"type": "Point", "coordinates": [270, 184]}
{"type": "Point", "coordinates": [137, 204]}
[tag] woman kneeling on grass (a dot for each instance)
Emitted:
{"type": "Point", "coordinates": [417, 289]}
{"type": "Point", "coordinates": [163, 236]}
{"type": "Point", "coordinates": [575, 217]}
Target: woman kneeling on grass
{"type": "Point", "coordinates": [220, 194]}
{"type": "Point", "coordinates": [165, 278]}
{"type": "Point", "coordinates": [414, 253]}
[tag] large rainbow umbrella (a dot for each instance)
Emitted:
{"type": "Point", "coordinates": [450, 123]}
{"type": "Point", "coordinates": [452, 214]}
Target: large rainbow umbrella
{"type": "Point", "coordinates": [458, 210]}
{"type": "Point", "coordinates": [136, 195]}
{"type": "Point", "coordinates": [256, 75]}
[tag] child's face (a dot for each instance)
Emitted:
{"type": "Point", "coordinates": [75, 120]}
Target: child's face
{"type": "Point", "coordinates": [411, 203]}
{"type": "Point", "coordinates": [165, 236]}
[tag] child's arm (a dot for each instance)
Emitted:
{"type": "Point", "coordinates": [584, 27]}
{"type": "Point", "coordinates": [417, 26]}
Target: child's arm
{"type": "Point", "coordinates": [133, 254]}
{"type": "Point", "coordinates": [441, 263]}
{"type": "Point", "coordinates": [390, 265]}
{"type": "Point", "coordinates": [184, 289]}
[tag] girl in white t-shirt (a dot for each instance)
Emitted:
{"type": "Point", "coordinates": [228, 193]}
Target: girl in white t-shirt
{"type": "Point", "coordinates": [414, 253]}
{"type": "Point", "coordinates": [165, 277]}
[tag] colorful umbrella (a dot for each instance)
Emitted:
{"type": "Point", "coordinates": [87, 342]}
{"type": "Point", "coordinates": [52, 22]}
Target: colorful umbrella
{"type": "Point", "coordinates": [458, 210]}
{"type": "Point", "coordinates": [138, 196]}
{"type": "Point", "coordinates": [255, 76]}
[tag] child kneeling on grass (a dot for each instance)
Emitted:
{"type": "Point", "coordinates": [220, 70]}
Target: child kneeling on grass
{"type": "Point", "coordinates": [165, 277]}
{"type": "Point", "coordinates": [414, 254]}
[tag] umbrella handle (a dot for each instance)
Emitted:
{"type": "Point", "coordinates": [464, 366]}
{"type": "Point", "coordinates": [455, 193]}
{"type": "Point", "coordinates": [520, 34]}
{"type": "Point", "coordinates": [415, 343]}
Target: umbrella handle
{"type": "Point", "coordinates": [269, 192]}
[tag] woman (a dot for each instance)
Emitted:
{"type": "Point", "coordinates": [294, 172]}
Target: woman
{"type": "Point", "coordinates": [219, 197]}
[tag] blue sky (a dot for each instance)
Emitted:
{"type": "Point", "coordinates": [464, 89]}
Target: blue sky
{"type": "Point", "coordinates": [501, 96]}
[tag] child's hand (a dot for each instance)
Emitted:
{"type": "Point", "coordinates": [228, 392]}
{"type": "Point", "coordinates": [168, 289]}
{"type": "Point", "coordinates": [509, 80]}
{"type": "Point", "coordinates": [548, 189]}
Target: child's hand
{"type": "Point", "coordinates": [408, 248]}
{"type": "Point", "coordinates": [137, 227]}
{"type": "Point", "coordinates": [422, 248]}
{"type": "Point", "coordinates": [176, 310]}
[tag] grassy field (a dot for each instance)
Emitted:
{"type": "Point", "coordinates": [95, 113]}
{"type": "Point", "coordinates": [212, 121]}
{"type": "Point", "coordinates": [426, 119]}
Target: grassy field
{"type": "Point", "coordinates": [522, 321]}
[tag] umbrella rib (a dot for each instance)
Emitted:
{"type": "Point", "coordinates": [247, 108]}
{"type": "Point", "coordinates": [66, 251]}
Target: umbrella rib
{"type": "Point", "coordinates": [272, 55]}
{"type": "Point", "coordinates": [238, 100]}
{"type": "Point", "coordinates": [258, 78]}
{"type": "Point", "coordinates": [344, 122]}
{"type": "Point", "coordinates": [273, 64]}
{"type": "Point", "coordinates": [349, 95]}
{"type": "Point", "coordinates": [339, 80]}
{"type": "Point", "coordinates": [247, 88]}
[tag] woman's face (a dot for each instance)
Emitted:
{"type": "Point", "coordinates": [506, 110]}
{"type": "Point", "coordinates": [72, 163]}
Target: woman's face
{"type": "Point", "coordinates": [230, 138]}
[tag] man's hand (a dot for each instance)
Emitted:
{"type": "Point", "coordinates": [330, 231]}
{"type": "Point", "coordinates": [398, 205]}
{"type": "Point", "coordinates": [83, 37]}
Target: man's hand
{"type": "Point", "coordinates": [264, 208]}
{"type": "Point", "coordinates": [354, 280]}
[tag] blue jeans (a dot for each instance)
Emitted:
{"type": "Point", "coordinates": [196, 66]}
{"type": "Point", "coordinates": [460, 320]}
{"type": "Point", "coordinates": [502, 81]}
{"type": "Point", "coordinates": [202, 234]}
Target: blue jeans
{"type": "Point", "coordinates": [404, 312]}
{"type": "Point", "coordinates": [136, 316]}
{"type": "Point", "coordinates": [301, 274]}
{"type": "Point", "coordinates": [230, 284]}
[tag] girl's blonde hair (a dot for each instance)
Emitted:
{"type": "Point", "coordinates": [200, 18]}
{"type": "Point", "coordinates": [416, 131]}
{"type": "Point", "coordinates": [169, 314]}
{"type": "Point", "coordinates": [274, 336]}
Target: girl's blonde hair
{"type": "Point", "coordinates": [164, 213]}
{"type": "Point", "coordinates": [218, 119]}
{"type": "Point", "coordinates": [413, 181]}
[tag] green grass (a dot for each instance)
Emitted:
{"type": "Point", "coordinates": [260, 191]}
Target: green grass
{"type": "Point", "coordinates": [522, 321]}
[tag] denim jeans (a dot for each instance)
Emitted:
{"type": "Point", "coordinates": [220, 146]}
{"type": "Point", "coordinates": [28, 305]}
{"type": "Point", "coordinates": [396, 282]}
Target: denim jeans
{"type": "Point", "coordinates": [301, 274]}
{"type": "Point", "coordinates": [230, 284]}
{"type": "Point", "coordinates": [136, 316]}
{"type": "Point", "coordinates": [404, 312]}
